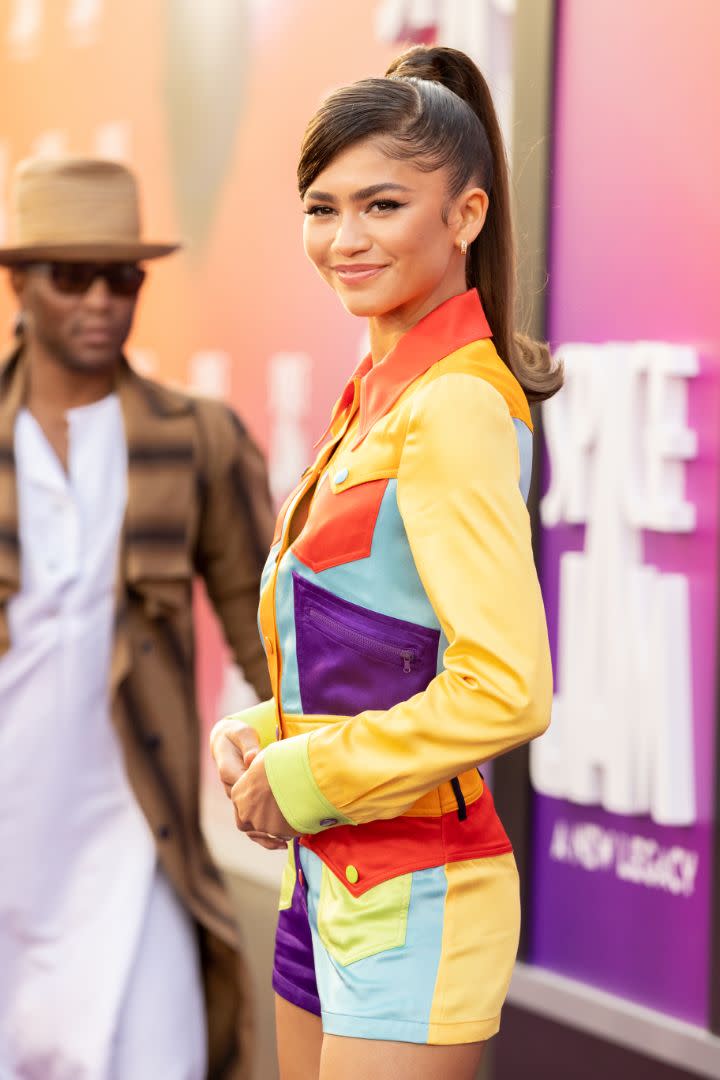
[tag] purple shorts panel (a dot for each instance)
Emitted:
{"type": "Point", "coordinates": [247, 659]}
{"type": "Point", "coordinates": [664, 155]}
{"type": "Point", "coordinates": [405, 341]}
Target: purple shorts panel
{"type": "Point", "coordinates": [294, 969]}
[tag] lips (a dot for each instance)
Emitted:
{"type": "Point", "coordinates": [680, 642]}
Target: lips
{"type": "Point", "coordinates": [357, 273]}
{"type": "Point", "coordinates": [96, 336]}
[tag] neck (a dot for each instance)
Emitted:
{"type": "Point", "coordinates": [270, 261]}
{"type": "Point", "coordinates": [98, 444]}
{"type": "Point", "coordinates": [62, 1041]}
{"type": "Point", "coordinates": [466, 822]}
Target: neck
{"type": "Point", "coordinates": [386, 330]}
{"type": "Point", "coordinates": [53, 387]}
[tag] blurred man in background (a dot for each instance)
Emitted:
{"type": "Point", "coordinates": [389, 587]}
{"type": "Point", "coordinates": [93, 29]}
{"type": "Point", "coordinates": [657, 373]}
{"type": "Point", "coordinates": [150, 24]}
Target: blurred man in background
{"type": "Point", "coordinates": [118, 950]}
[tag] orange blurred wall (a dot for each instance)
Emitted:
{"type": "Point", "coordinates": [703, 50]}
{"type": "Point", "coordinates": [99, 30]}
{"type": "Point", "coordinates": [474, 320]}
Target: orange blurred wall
{"type": "Point", "coordinates": [207, 101]}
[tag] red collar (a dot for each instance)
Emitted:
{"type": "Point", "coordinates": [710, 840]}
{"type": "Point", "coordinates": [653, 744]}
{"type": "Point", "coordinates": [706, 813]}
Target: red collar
{"type": "Point", "coordinates": [446, 329]}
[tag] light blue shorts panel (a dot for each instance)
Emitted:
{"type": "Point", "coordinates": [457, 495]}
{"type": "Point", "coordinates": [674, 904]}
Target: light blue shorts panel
{"type": "Point", "coordinates": [387, 995]}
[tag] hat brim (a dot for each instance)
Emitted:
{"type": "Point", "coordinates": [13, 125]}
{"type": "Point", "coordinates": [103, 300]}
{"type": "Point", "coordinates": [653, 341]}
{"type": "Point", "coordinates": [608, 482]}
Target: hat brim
{"type": "Point", "coordinates": [137, 252]}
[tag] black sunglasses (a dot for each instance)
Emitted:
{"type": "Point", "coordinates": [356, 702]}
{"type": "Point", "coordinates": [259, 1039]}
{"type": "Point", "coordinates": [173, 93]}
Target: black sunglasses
{"type": "Point", "coordinates": [75, 278]}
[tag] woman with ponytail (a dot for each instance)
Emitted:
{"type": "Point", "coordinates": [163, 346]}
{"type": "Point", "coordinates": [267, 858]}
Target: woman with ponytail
{"type": "Point", "coordinates": [400, 608]}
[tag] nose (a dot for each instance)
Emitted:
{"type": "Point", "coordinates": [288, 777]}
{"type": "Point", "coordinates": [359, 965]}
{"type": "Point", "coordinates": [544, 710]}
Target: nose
{"type": "Point", "coordinates": [98, 295]}
{"type": "Point", "coordinates": [351, 235]}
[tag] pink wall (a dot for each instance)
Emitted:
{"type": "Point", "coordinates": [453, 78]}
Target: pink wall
{"type": "Point", "coordinates": [636, 199]}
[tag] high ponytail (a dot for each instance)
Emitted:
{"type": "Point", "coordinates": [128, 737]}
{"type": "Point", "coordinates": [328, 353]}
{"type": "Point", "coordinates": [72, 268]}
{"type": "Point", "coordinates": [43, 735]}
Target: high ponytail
{"type": "Point", "coordinates": [491, 264]}
{"type": "Point", "coordinates": [435, 109]}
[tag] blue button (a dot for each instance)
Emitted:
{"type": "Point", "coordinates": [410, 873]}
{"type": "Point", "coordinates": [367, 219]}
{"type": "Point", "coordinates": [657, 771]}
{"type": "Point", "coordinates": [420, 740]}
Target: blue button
{"type": "Point", "coordinates": [341, 476]}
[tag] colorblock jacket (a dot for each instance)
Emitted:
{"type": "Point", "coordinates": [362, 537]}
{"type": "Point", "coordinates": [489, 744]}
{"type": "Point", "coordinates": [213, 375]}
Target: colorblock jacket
{"type": "Point", "coordinates": [400, 608]}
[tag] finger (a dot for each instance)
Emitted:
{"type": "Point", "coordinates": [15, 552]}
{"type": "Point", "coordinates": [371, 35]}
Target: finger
{"type": "Point", "coordinates": [242, 825]}
{"type": "Point", "coordinates": [231, 739]}
{"type": "Point", "coordinates": [228, 761]}
{"type": "Point", "coordinates": [250, 755]}
{"type": "Point", "coordinates": [266, 840]}
{"type": "Point", "coordinates": [244, 739]}
{"type": "Point", "coordinates": [230, 769]}
{"type": "Point", "coordinates": [217, 736]}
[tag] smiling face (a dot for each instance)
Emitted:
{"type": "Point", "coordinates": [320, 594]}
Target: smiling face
{"type": "Point", "coordinates": [84, 333]}
{"type": "Point", "coordinates": [385, 235]}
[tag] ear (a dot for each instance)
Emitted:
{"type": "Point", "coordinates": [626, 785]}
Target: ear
{"type": "Point", "coordinates": [18, 277]}
{"type": "Point", "coordinates": [471, 210]}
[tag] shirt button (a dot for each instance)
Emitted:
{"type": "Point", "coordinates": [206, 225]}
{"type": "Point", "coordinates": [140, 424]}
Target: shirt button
{"type": "Point", "coordinates": [341, 475]}
{"type": "Point", "coordinates": [328, 821]}
{"type": "Point", "coordinates": [352, 875]}
{"type": "Point", "coordinates": [269, 647]}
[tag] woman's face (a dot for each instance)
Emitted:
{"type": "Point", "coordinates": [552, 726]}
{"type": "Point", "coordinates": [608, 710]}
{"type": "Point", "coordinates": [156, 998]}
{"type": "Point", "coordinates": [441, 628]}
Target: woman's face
{"type": "Point", "coordinates": [375, 231]}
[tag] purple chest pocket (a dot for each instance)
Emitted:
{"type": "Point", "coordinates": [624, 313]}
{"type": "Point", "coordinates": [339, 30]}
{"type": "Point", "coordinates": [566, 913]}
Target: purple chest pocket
{"type": "Point", "coordinates": [351, 659]}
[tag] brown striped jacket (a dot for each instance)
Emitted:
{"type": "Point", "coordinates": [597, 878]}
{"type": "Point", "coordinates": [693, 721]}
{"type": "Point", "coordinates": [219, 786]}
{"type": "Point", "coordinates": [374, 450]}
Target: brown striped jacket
{"type": "Point", "coordinates": [198, 504]}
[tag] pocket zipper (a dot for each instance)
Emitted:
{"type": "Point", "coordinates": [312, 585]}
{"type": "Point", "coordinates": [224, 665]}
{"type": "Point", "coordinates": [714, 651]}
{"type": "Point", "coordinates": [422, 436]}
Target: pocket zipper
{"type": "Point", "coordinates": [408, 656]}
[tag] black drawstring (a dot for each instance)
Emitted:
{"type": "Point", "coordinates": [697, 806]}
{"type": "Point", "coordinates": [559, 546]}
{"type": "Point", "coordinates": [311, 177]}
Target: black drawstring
{"type": "Point", "coordinates": [459, 798]}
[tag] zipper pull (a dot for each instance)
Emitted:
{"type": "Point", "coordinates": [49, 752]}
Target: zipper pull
{"type": "Point", "coordinates": [407, 657]}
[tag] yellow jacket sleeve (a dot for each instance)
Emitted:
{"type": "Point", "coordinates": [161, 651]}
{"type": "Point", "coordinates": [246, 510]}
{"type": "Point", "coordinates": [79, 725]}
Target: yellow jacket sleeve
{"type": "Point", "coordinates": [469, 532]}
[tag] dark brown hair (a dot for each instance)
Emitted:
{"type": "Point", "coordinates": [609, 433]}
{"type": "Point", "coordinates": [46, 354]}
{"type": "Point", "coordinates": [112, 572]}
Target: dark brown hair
{"type": "Point", "coordinates": [434, 107]}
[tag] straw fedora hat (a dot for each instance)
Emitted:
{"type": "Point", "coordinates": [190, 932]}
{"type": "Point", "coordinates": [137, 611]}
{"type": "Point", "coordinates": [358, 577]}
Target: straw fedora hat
{"type": "Point", "coordinates": [78, 210]}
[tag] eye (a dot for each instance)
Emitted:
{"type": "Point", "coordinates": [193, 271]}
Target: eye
{"type": "Point", "coordinates": [318, 210]}
{"type": "Point", "coordinates": [383, 206]}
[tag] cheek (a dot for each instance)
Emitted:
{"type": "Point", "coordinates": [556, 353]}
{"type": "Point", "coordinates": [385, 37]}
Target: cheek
{"type": "Point", "coordinates": [426, 239]}
{"type": "Point", "coordinates": [316, 242]}
{"type": "Point", "coordinates": [421, 258]}
{"type": "Point", "coordinates": [56, 315]}
{"type": "Point", "coordinates": [124, 311]}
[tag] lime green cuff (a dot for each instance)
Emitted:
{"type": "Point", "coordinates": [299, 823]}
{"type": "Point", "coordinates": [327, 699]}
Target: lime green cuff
{"type": "Point", "coordinates": [262, 717]}
{"type": "Point", "coordinates": [303, 805]}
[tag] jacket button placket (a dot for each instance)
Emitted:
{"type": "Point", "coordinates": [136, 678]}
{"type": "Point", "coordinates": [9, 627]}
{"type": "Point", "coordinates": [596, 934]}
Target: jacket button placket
{"type": "Point", "coordinates": [273, 653]}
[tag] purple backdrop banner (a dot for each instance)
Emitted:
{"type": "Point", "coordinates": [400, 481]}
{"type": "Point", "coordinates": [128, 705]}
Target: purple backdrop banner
{"type": "Point", "coordinates": [621, 901]}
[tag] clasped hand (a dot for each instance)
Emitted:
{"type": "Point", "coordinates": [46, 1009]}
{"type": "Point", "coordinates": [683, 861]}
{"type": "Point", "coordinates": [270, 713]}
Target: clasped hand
{"type": "Point", "coordinates": [236, 749]}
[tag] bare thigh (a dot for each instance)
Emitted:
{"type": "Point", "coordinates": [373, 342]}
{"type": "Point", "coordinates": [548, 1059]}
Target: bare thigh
{"type": "Point", "coordinates": [359, 1059]}
{"type": "Point", "coordinates": [299, 1041]}
{"type": "Point", "coordinates": [305, 1054]}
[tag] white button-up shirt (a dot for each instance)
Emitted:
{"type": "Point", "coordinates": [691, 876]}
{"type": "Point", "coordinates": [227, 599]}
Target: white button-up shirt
{"type": "Point", "coordinates": [77, 859]}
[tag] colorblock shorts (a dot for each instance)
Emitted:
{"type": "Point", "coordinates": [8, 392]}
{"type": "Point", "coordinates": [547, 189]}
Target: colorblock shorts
{"type": "Point", "coordinates": [425, 957]}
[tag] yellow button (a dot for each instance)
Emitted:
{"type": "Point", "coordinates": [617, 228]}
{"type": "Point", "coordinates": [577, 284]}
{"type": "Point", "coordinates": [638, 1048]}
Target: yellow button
{"type": "Point", "coordinates": [351, 874]}
{"type": "Point", "coordinates": [270, 648]}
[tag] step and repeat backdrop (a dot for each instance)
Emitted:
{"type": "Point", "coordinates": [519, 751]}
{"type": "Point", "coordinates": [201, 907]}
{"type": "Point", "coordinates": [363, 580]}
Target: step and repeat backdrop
{"type": "Point", "coordinates": [625, 806]}
{"type": "Point", "coordinates": [208, 103]}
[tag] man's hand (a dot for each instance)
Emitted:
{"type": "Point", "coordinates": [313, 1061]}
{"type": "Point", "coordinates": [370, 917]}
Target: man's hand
{"type": "Point", "coordinates": [256, 811]}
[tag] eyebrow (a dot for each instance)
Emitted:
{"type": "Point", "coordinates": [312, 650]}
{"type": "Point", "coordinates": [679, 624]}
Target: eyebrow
{"type": "Point", "coordinates": [358, 196]}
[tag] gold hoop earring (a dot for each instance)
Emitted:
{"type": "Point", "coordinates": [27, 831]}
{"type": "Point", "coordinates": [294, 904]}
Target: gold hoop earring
{"type": "Point", "coordinates": [463, 247]}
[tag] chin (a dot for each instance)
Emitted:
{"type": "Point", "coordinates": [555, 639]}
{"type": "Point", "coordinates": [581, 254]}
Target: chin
{"type": "Point", "coordinates": [93, 363]}
{"type": "Point", "coordinates": [367, 306]}
{"type": "Point", "coordinates": [355, 306]}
